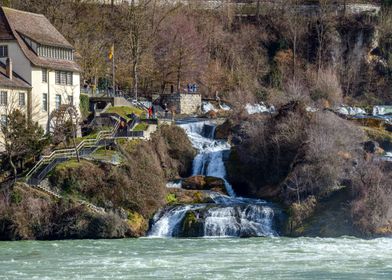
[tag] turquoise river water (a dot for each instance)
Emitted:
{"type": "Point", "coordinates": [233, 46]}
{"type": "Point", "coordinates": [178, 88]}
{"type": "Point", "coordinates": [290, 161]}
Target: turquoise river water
{"type": "Point", "coordinates": [220, 258]}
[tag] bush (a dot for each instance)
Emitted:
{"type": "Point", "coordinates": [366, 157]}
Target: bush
{"type": "Point", "coordinates": [171, 198]}
{"type": "Point", "coordinates": [327, 88]}
{"type": "Point", "coordinates": [300, 211]}
{"type": "Point", "coordinates": [84, 105]}
{"type": "Point", "coordinates": [372, 190]}
{"type": "Point", "coordinates": [297, 152]}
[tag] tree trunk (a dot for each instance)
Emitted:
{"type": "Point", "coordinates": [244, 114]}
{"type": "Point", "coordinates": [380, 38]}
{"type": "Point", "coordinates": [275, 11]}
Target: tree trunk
{"type": "Point", "coordinates": [294, 55]}
{"type": "Point", "coordinates": [15, 171]}
{"type": "Point", "coordinates": [135, 75]}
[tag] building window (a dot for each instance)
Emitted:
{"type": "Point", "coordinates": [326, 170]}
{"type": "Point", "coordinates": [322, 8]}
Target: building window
{"type": "Point", "coordinates": [3, 98]}
{"type": "Point", "coordinates": [45, 102]}
{"type": "Point", "coordinates": [58, 101]}
{"type": "Point", "coordinates": [58, 80]}
{"type": "Point", "coordinates": [3, 51]}
{"type": "Point", "coordinates": [44, 75]}
{"type": "Point", "coordinates": [22, 99]}
{"type": "Point", "coordinates": [64, 78]}
{"type": "Point", "coordinates": [69, 78]}
{"type": "Point", "coordinates": [70, 99]}
{"type": "Point", "coordinates": [53, 52]}
{"type": "Point", "coordinates": [3, 120]}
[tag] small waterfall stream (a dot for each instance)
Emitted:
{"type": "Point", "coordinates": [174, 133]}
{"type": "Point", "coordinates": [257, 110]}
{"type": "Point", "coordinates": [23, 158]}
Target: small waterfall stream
{"type": "Point", "coordinates": [228, 216]}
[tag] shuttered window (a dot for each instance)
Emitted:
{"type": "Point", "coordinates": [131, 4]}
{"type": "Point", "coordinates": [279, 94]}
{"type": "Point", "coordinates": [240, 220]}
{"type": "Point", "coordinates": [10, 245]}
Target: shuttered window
{"type": "Point", "coordinates": [58, 101]}
{"type": "Point", "coordinates": [3, 98]}
{"type": "Point", "coordinates": [64, 78]}
{"type": "Point", "coordinates": [22, 99]}
{"type": "Point", "coordinates": [3, 51]}
{"type": "Point", "coordinates": [45, 102]}
{"type": "Point", "coordinates": [44, 75]}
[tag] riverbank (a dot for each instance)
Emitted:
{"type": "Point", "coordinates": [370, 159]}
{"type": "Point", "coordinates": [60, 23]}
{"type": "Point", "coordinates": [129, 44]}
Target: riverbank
{"type": "Point", "coordinates": [129, 193]}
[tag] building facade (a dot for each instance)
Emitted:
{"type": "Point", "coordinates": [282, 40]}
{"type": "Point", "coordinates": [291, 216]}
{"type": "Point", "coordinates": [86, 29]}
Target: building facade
{"type": "Point", "coordinates": [40, 58]}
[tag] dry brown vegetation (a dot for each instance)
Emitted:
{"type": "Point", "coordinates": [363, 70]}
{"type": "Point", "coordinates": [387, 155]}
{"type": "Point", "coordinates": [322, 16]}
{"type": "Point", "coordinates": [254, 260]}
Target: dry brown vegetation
{"type": "Point", "coordinates": [297, 152]}
{"type": "Point", "coordinates": [28, 214]}
{"type": "Point", "coordinates": [372, 190]}
{"type": "Point", "coordinates": [159, 46]}
{"type": "Point", "coordinates": [131, 193]}
{"type": "Point", "coordinates": [139, 184]}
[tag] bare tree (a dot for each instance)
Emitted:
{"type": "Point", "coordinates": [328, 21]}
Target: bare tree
{"type": "Point", "coordinates": [180, 54]}
{"type": "Point", "coordinates": [141, 22]}
{"type": "Point", "coordinates": [323, 22]}
{"type": "Point", "coordinates": [290, 22]}
{"type": "Point", "coordinates": [64, 123]}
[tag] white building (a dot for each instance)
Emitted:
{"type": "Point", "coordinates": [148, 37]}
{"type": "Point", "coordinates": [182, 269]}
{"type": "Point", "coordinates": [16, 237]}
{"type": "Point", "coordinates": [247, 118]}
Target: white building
{"type": "Point", "coordinates": [37, 60]}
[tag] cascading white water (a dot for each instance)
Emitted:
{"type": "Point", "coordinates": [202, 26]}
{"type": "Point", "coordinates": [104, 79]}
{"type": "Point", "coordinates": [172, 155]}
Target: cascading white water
{"type": "Point", "coordinates": [209, 160]}
{"type": "Point", "coordinates": [165, 223]}
{"type": "Point", "coordinates": [229, 216]}
{"type": "Point", "coordinates": [249, 220]}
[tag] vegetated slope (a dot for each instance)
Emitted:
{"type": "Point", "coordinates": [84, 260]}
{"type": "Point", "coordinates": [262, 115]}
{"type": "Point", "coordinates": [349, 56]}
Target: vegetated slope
{"type": "Point", "coordinates": [130, 193]}
{"type": "Point", "coordinates": [304, 160]}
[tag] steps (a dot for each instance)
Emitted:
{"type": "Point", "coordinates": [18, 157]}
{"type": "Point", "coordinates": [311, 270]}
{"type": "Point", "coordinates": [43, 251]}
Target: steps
{"type": "Point", "coordinates": [44, 188]}
{"type": "Point", "coordinates": [47, 163]}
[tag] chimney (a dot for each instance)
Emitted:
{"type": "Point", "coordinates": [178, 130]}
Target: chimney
{"type": "Point", "coordinates": [8, 68]}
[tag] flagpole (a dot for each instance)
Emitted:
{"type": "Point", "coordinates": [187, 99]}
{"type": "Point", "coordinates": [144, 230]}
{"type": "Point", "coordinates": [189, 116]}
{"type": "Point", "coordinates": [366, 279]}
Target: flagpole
{"type": "Point", "coordinates": [113, 72]}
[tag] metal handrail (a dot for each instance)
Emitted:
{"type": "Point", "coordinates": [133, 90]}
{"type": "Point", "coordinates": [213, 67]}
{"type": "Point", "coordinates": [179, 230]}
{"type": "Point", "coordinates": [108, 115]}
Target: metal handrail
{"type": "Point", "coordinates": [67, 153]}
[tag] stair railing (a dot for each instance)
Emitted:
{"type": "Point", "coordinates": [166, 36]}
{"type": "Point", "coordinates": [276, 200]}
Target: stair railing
{"type": "Point", "coordinates": [71, 152]}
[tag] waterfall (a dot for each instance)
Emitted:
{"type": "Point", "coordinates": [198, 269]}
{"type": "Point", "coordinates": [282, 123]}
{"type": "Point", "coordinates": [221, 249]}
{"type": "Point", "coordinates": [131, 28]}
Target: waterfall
{"type": "Point", "coordinates": [228, 216]}
{"type": "Point", "coordinates": [166, 223]}
{"type": "Point", "coordinates": [209, 160]}
{"type": "Point", "coordinates": [246, 221]}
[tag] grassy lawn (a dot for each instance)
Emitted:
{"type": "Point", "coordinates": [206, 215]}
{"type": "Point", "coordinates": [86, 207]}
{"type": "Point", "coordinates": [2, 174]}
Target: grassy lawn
{"type": "Point", "coordinates": [141, 127]}
{"type": "Point", "coordinates": [72, 163]}
{"type": "Point", "coordinates": [104, 154]}
{"type": "Point", "coordinates": [124, 111]}
{"type": "Point", "coordinates": [129, 145]}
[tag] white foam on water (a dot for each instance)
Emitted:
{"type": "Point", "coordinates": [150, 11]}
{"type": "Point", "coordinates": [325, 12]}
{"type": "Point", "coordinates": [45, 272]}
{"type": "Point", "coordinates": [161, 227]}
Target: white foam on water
{"type": "Point", "coordinates": [258, 108]}
{"type": "Point", "coordinates": [350, 111]}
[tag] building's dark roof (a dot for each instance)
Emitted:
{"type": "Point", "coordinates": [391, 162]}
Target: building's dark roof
{"type": "Point", "coordinates": [16, 82]}
{"type": "Point", "coordinates": [15, 23]}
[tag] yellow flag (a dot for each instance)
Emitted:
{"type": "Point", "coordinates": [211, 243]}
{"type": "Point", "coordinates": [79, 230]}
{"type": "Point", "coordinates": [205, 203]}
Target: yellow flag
{"type": "Point", "coordinates": [111, 52]}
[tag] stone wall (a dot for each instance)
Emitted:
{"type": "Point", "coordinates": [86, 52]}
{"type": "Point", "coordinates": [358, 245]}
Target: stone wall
{"type": "Point", "coordinates": [185, 103]}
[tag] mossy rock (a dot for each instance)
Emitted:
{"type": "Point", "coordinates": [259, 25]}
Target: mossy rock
{"type": "Point", "coordinates": [204, 183]}
{"type": "Point", "coordinates": [189, 197]}
{"type": "Point", "coordinates": [380, 135]}
{"type": "Point", "coordinates": [191, 225]}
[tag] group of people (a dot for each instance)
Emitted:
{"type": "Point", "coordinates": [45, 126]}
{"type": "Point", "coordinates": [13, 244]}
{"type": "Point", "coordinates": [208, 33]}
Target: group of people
{"type": "Point", "coordinates": [152, 114]}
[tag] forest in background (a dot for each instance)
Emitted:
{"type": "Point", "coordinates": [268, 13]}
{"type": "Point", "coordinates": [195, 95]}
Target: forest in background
{"type": "Point", "coordinates": [276, 54]}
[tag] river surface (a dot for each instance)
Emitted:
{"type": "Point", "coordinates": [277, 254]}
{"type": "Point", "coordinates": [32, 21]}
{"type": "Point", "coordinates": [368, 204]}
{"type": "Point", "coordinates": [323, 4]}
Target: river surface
{"type": "Point", "coordinates": [219, 258]}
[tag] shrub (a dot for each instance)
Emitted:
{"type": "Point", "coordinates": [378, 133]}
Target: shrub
{"type": "Point", "coordinates": [300, 211]}
{"type": "Point", "coordinates": [171, 198]}
{"type": "Point", "coordinates": [298, 152]}
{"type": "Point", "coordinates": [372, 191]}
{"type": "Point", "coordinates": [84, 105]}
{"type": "Point", "coordinates": [327, 88]}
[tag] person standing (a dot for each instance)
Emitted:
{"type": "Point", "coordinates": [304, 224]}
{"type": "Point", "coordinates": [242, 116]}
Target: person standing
{"type": "Point", "coordinates": [166, 110]}
{"type": "Point", "coordinates": [149, 112]}
{"type": "Point", "coordinates": [153, 111]}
